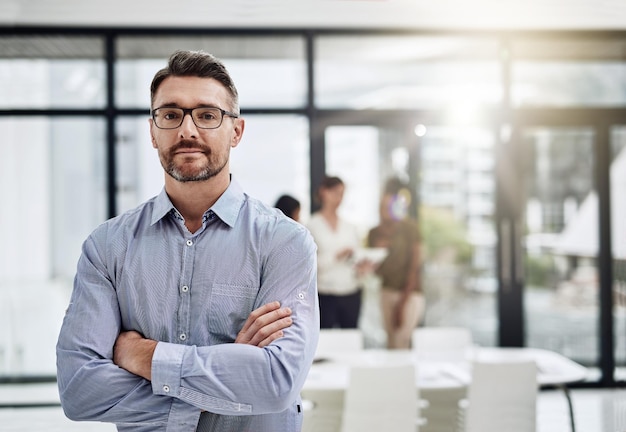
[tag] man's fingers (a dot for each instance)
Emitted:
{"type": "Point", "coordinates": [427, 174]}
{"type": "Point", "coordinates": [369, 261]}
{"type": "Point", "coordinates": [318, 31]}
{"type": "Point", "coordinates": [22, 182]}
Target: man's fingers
{"type": "Point", "coordinates": [255, 314]}
{"type": "Point", "coordinates": [265, 325]}
{"type": "Point", "coordinates": [271, 329]}
{"type": "Point", "coordinates": [268, 319]}
{"type": "Point", "coordinates": [270, 339]}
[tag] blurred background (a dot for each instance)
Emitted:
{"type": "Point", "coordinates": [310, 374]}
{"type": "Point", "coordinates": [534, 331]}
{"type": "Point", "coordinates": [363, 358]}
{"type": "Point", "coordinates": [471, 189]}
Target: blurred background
{"type": "Point", "coordinates": [507, 118]}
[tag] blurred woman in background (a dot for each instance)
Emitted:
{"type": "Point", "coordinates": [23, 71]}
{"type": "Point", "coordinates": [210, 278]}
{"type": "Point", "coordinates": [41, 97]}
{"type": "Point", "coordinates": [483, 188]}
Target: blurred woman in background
{"type": "Point", "coordinates": [337, 240]}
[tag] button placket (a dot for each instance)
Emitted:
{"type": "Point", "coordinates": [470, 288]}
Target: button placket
{"type": "Point", "coordinates": [184, 306]}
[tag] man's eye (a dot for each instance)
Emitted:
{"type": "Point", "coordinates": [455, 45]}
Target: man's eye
{"type": "Point", "coordinates": [170, 115]}
{"type": "Point", "coordinates": [207, 115]}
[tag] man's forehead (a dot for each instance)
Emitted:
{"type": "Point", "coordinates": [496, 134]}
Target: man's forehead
{"type": "Point", "coordinates": [205, 90]}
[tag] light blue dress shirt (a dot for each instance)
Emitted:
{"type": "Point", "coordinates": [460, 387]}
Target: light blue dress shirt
{"type": "Point", "coordinates": [144, 271]}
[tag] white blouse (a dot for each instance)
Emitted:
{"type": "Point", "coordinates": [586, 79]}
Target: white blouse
{"type": "Point", "coordinates": [334, 276]}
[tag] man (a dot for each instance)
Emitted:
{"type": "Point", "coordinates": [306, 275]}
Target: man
{"type": "Point", "coordinates": [198, 309]}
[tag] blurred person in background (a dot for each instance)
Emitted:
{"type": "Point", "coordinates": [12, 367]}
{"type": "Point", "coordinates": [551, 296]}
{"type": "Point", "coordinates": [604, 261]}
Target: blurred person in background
{"type": "Point", "coordinates": [402, 301]}
{"type": "Point", "coordinates": [289, 206]}
{"type": "Point", "coordinates": [337, 240]}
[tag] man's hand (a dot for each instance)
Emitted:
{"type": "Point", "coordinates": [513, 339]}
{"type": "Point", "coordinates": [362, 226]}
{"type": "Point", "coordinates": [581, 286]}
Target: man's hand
{"type": "Point", "coordinates": [134, 353]}
{"type": "Point", "coordinates": [265, 325]}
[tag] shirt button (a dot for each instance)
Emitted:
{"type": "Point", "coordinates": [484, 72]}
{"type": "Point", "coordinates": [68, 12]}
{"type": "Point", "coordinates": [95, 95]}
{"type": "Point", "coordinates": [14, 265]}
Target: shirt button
{"type": "Point", "coordinates": [185, 288]}
{"type": "Point", "coordinates": [301, 296]}
{"type": "Point", "coordinates": [182, 336]}
{"type": "Point", "coordinates": [189, 243]}
{"type": "Point", "coordinates": [166, 388]}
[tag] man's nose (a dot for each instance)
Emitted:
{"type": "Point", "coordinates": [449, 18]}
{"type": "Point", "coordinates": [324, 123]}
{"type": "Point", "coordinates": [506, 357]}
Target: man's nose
{"type": "Point", "coordinates": [187, 128]}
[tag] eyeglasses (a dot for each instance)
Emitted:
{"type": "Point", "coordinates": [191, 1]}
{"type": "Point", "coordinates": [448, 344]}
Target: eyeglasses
{"type": "Point", "coordinates": [203, 117]}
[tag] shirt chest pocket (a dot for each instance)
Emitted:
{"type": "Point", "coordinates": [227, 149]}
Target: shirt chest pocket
{"type": "Point", "coordinates": [229, 307]}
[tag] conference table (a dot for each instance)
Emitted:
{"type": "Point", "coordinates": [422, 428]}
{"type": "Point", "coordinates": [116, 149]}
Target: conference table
{"type": "Point", "coordinates": [439, 376]}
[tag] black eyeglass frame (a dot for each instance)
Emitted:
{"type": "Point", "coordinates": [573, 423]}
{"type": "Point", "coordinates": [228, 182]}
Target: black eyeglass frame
{"type": "Point", "coordinates": [190, 111]}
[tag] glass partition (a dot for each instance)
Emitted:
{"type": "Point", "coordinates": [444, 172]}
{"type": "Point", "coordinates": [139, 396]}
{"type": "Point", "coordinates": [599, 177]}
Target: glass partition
{"type": "Point", "coordinates": [273, 159]}
{"type": "Point", "coordinates": [387, 72]}
{"type": "Point", "coordinates": [568, 73]}
{"type": "Point", "coordinates": [618, 228]}
{"type": "Point", "coordinates": [52, 72]}
{"type": "Point", "coordinates": [53, 191]}
{"type": "Point", "coordinates": [457, 193]}
{"type": "Point", "coordinates": [561, 242]}
{"type": "Point", "coordinates": [268, 71]}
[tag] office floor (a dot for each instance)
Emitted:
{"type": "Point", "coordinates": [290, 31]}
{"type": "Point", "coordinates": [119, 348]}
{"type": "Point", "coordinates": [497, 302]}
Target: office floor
{"type": "Point", "coordinates": [596, 410]}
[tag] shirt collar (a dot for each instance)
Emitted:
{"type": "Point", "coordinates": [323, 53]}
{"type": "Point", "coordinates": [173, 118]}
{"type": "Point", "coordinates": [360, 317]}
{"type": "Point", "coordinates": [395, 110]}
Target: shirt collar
{"type": "Point", "coordinates": [226, 207]}
{"type": "Point", "coordinates": [162, 206]}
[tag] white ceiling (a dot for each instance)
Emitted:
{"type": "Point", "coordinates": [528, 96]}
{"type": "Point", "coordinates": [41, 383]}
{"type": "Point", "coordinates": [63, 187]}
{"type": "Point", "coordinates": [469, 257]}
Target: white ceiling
{"type": "Point", "coordinates": [386, 14]}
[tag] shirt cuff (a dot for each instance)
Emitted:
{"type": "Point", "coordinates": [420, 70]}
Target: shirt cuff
{"type": "Point", "coordinates": [166, 369]}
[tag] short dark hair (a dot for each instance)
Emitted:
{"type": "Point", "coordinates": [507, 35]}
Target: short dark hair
{"type": "Point", "coordinates": [287, 204]}
{"type": "Point", "coordinates": [198, 64]}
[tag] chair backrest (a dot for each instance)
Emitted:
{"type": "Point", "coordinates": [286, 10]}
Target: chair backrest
{"type": "Point", "coordinates": [339, 340]}
{"type": "Point", "coordinates": [502, 397]}
{"type": "Point", "coordinates": [381, 398]}
{"type": "Point", "coordinates": [442, 342]}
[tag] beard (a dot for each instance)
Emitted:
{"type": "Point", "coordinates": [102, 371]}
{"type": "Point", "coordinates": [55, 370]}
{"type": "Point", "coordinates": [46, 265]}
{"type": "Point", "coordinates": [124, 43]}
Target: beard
{"type": "Point", "coordinates": [188, 172]}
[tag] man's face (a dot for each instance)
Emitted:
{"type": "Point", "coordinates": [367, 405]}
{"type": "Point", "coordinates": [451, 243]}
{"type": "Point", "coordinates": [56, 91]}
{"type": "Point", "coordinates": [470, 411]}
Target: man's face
{"type": "Point", "coordinates": [189, 153]}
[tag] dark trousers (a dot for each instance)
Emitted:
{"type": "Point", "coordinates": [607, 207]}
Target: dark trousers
{"type": "Point", "coordinates": [340, 311]}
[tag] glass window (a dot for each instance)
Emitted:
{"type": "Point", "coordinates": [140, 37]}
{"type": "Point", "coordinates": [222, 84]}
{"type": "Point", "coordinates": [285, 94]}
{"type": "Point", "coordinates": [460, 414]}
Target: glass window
{"type": "Point", "coordinates": [618, 234]}
{"type": "Point", "coordinates": [455, 216]}
{"type": "Point", "coordinates": [53, 190]}
{"type": "Point", "coordinates": [457, 196]}
{"type": "Point", "coordinates": [561, 84]}
{"type": "Point", "coordinates": [52, 72]}
{"type": "Point", "coordinates": [387, 72]}
{"type": "Point", "coordinates": [361, 174]}
{"type": "Point", "coordinates": [272, 159]}
{"type": "Point", "coordinates": [364, 156]}
{"type": "Point", "coordinates": [269, 72]}
{"type": "Point", "coordinates": [561, 242]}
{"type": "Point", "coordinates": [139, 172]}
{"type": "Point", "coordinates": [574, 72]}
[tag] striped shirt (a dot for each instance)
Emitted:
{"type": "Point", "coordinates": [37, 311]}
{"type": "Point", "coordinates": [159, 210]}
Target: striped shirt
{"type": "Point", "coordinates": [144, 271]}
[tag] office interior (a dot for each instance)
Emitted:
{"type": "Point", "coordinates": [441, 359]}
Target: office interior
{"type": "Point", "coordinates": [510, 127]}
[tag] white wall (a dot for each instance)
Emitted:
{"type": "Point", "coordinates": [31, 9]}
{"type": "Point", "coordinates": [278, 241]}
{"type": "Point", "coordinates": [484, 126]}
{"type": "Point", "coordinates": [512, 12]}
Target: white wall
{"type": "Point", "coordinates": [413, 14]}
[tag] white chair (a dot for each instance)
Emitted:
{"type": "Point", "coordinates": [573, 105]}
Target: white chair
{"type": "Point", "coordinates": [501, 397]}
{"type": "Point", "coordinates": [324, 407]}
{"type": "Point", "coordinates": [443, 343]}
{"type": "Point", "coordinates": [339, 340]}
{"type": "Point", "coordinates": [323, 410]}
{"type": "Point", "coordinates": [381, 398]}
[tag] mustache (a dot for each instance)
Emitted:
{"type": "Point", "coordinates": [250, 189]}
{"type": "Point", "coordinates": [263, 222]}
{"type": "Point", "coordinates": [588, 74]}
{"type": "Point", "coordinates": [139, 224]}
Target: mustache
{"type": "Point", "coordinates": [187, 144]}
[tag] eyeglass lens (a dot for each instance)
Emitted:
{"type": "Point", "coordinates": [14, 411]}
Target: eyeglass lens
{"type": "Point", "coordinates": [203, 117]}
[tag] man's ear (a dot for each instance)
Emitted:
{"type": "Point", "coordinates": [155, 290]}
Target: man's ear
{"type": "Point", "coordinates": [238, 128]}
{"type": "Point", "coordinates": [154, 145]}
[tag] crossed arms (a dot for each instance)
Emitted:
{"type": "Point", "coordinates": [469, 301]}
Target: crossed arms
{"type": "Point", "coordinates": [134, 353]}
